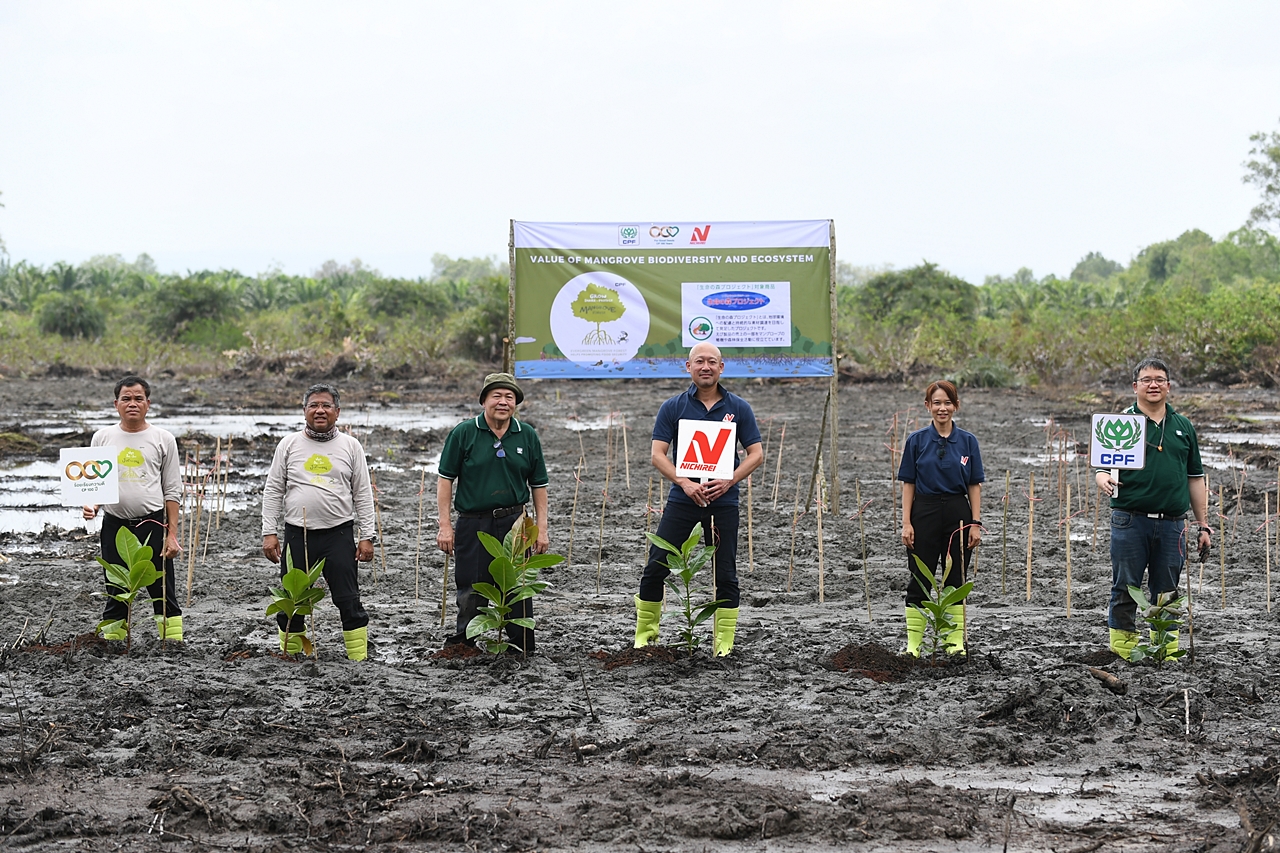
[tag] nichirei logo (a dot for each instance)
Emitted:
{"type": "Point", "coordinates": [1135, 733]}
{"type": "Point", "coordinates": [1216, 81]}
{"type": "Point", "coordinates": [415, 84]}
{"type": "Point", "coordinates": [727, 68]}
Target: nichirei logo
{"type": "Point", "coordinates": [700, 236]}
{"type": "Point", "coordinates": [709, 452]}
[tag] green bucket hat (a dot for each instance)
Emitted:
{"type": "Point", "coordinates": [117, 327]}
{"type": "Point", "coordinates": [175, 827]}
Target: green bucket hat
{"type": "Point", "coordinates": [501, 380]}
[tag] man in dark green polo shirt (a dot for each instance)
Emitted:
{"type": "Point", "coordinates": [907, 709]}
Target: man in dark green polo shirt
{"type": "Point", "coordinates": [1148, 514]}
{"type": "Point", "coordinates": [495, 461]}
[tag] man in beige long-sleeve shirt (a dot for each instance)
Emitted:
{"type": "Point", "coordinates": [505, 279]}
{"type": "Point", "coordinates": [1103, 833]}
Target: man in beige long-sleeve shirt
{"type": "Point", "coordinates": [150, 492]}
{"type": "Point", "coordinates": [319, 487]}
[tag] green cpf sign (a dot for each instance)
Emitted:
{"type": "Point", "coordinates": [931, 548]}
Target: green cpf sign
{"type": "Point", "coordinates": [1117, 441]}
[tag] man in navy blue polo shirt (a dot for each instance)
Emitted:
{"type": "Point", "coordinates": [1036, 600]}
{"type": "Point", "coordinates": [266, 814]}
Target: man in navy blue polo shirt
{"type": "Point", "coordinates": [713, 503]}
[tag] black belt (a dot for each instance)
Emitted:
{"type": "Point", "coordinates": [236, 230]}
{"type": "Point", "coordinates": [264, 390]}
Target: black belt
{"type": "Point", "coordinates": [500, 512]}
{"type": "Point", "coordinates": [1160, 515]}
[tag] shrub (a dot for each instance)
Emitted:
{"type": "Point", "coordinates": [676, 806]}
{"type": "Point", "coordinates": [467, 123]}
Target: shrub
{"type": "Point", "coordinates": [71, 315]}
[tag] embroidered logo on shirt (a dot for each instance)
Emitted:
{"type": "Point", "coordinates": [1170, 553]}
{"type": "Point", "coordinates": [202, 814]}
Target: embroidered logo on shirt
{"type": "Point", "coordinates": [964, 460]}
{"type": "Point", "coordinates": [519, 450]}
{"type": "Point", "coordinates": [728, 417]}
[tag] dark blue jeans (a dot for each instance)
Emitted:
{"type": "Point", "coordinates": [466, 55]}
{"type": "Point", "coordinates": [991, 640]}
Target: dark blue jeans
{"type": "Point", "coordinates": [678, 521]}
{"type": "Point", "coordinates": [1140, 544]}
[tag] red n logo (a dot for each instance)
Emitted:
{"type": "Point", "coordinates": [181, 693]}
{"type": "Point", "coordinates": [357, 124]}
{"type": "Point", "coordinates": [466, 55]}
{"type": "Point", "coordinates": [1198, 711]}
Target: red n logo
{"type": "Point", "coordinates": [710, 452]}
{"type": "Point", "coordinates": [700, 234]}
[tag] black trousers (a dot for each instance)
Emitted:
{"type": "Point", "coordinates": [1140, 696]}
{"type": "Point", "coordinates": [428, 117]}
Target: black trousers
{"type": "Point", "coordinates": [150, 531]}
{"type": "Point", "coordinates": [719, 528]}
{"type": "Point", "coordinates": [337, 547]}
{"type": "Point", "coordinates": [936, 518]}
{"type": "Point", "coordinates": [471, 566]}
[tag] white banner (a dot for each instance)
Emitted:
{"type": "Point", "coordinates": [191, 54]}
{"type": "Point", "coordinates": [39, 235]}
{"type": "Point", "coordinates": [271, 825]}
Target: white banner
{"type": "Point", "coordinates": [706, 449]}
{"type": "Point", "coordinates": [89, 475]}
{"type": "Point", "coordinates": [601, 236]}
{"type": "Point", "coordinates": [736, 313]}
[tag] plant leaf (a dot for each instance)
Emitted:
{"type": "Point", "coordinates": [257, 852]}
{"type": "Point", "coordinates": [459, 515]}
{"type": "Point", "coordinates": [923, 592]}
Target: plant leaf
{"type": "Point", "coordinates": [493, 546]}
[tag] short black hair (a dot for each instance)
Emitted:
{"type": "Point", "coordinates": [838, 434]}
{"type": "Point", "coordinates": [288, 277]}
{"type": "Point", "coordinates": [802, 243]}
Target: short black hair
{"type": "Point", "coordinates": [322, 388]}
{"type": "Point", "coordinates": [1151, 362]}
{"type": "Point", "coordinates": [128, 382]}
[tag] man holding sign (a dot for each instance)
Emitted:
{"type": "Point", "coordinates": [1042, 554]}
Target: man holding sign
{"type": "Point", "coordinates": [1148, 511]}
{"type": "Point", "coordinates": [150, 478]}
{"type": "Point", "coordinates": [710, 423]}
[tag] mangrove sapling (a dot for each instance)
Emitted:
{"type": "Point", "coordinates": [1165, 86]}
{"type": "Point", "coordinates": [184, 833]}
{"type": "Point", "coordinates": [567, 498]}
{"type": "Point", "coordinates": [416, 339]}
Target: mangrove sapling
{"type": "Point", "coordinates": [1163, 619]}
{"type": "Point", "coordinates": [514, 569]}
{"type": "Point", "coordinates": [684, 563]}
{"type": "Point", "coordinates": [298, 595]}
{"type": "Point", "coordinates": [132, 578]}
{"type": "Point", "coordinates": [938, 622]}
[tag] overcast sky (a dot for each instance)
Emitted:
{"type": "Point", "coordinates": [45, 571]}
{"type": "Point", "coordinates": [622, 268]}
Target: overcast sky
{"type": "Point", "coordinates": [980, 136]}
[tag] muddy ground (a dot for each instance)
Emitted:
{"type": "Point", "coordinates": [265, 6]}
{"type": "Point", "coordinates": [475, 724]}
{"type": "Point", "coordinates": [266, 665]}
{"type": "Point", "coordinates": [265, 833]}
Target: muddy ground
{"type": "Point", "coordinates": [220, 744]}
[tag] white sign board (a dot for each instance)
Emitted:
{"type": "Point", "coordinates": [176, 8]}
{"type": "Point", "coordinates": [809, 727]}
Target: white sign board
{"type": "Point", "coordinates": [89, 475]}
{"type": "Point", "coordinates": [736, 313]}
{"type": "Point", "coordinates": [1118, 441]}
{"type": "Point", "coordinates": [706, 449]}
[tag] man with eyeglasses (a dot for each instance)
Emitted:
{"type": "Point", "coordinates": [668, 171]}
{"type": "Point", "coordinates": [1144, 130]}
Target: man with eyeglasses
{"type": "Point", "coordinates": [1148, 514]}
{"type": "Point", "coordinates": [319, 487]}
{"type": "Point", "coordinates": [496, 462]}
{"type": "Point", "coordinates": [150, 492]}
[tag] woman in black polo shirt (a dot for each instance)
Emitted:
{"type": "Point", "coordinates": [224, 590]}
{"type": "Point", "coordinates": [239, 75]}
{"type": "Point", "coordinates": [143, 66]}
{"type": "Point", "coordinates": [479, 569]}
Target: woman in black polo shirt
{"type": "Point", "coordinates": [941, 476]}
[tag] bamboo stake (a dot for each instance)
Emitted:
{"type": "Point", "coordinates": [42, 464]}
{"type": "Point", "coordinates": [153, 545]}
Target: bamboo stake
{"type": "Point", "coordinates": [764, 463]}
{"type": "Point", "coordinates": [1067, 524]}
{"type": "Point", "coordinates": [377, 520]}
{"type": "Point", "coordinates": [1004, 535]}
{"type": "Point", "coordinates": [1191, 636]}
{"type": "Point", "coordinates": [217, 482]}
{"type": "Point", "coordinates": [626, 454]}
{"type": "Point", "coordinates": [795, 515]}
{"type": "Point", "coordinates": [893, 486]}
{"type": "Point", "coordinates": [226, 480]}
{"type": "Point", "coordinates": [1031, 524]}
{"type": "Point", "coordinates": [195, 532]}
{"type": "Point", "coordinates": [417, 555]}
{"type": "Point", "coordinates": [1222, 547]}
{"type": "Point", "coordinates": [573, 514]}
{"type": "Point", "coordinates": [821, 563]}
{"type": "Point", "coordinates": [817, 454]}
{"type": "Point", "coordinates": [208, 525]}
{"type": "Point", "coordinates": [306, 561]}
{"type": "Point", "coordinates": [1266, 519]}
{"type": "Point", "coordinates": [604, 503]}
{"type": "Point", "coordinates": [1208, 497]}
{"type": "Point", "coordinates": [862, 537]}
{"type": "Point", "coordinates": [1097, 507]}
{"type": "Point", "coordinates": [777, 468]}
{"type": "Point", "coordinates": [582, 450]}
{"type": "Point", "coordinates": [751, 542]}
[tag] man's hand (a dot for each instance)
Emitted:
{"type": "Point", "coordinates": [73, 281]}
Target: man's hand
{"type": "Point", "coordinates": [1204, 541]}
{"type": "Point", "coordinates": [90, 512]}
{"type": "Point", "coordinates": [171, 548]}
{"type": "Point", "coordinates": [444, 539]}
{"type": "Point", "coordinates": [543, 541]}
{"type": "Point", "coordinates": [697, 492]}
{"type": "Point", "coordinates": [271, 547]}
{"type": "Point", "coordinates": [364, 551]}
{"type": "Point", "coordinates": [715, 489]}
{"type": "Point", "coordinates": [1106, 483]}
{"type": "Point", "coordinates": [908, 534]}
{"type": "Point", "coordinates": [975, 534]}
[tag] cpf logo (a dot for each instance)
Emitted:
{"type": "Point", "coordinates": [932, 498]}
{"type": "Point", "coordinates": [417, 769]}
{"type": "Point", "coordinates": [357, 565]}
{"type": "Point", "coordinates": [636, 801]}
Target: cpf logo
{"type": "Point", "coordinates": [628, 235]}
{"type": "Point", "coordinates": [1116, 441]}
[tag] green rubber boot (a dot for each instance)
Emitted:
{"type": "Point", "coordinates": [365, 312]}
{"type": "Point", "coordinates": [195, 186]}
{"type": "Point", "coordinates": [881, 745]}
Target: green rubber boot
{"type": "Point", "coordinates": [114, 631]}
{"type": "Point", "coordinates": [953, 642]}
{"type": "Point", "coordinates": [726, 624]}
{"type": "Point", "coordinates": [915, 630]}
{"type": "Point", "coordinates": [357, 643]}
{"type": "Point", "coordinates": [1171, 646]}
{"type": "Point", "coordinates": [169, 629]}
{"type": "Point", "coordinates": [295, 644]}
{"type": "Point", "coordinates": [648, 615]}
{"type": "Point", "coordinates": [1123, 642]}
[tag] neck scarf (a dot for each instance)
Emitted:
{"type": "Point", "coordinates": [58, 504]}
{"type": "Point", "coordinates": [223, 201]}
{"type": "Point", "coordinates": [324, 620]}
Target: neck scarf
{"type": "Point", "coordinates": [321, 436]}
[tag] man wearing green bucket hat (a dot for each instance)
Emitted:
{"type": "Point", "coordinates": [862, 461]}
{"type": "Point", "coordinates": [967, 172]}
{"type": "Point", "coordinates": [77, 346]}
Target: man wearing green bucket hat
{"type": "Point", "coordinates": [489, 468]}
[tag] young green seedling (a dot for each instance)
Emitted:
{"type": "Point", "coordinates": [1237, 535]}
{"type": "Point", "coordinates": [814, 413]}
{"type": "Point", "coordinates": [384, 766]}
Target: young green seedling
{"type": "Point", "coordinates": [938, 622]}
{"type": "Point", "coordinates": [685, 562]}
{"type": "Point", "coordinates": [138, 573]}
{"type": "Point", "coordinates": [514, 569]}
{"type": "Point", "coordinates": [1163, 618]}
{"type": "Point", "coordinates": [298, 595]}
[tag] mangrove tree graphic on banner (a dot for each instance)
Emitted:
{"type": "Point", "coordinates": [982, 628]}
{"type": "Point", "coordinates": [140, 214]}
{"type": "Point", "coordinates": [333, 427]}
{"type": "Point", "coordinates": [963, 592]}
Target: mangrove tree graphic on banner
{"type": "Point", "coordinates": [599, 319]}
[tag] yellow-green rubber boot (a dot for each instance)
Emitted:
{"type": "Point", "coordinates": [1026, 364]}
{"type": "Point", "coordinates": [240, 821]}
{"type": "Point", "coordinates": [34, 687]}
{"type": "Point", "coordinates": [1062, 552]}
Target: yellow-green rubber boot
{"type": "Point", "coordinates": [117, 632]}
{"type": "Point", "coordinates": [295, 644]}
{"type": "Point", "coordinates": [915, 630]}
{"type": "Point", "coordinates": [1123, 642]}
{"type": "Point", "coordinates": [1169, 647]}
{"type": "Point", "coordinates": [648, 615]}
{"type": "Point", "coordinates": [357, 643]}
{"type": "Point", "coordinates": [169, 629]}
{"type": "Point", "coordinates": [953, 642]}
{"type": "Point", "coordinates": [726, 622]}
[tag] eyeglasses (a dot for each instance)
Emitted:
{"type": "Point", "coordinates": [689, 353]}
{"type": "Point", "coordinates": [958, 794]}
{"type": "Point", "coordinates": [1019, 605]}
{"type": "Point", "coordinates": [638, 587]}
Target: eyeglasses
{"type": "Point", "coordinates": [1152, 380]}
{"type": "Point", "coordinates": [326, 407]}
{"type": "Point", "coordinates": [497, 445]}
